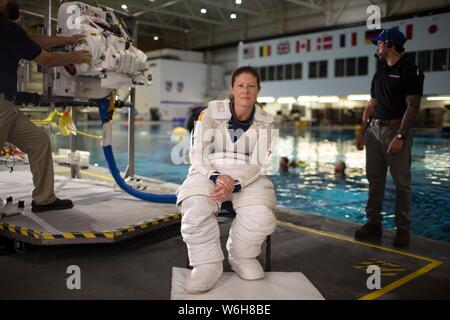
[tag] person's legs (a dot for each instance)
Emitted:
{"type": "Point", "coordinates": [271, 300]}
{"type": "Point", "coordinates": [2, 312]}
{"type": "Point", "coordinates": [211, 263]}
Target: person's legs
{"type": "Point", "coordinates": [200, 231]}
{"type": "Point", "coordinates": [248, 231]}
{"type": "Point", "coordinates": [8, 117]}
{"type": "Point", "coordinates": [376, 169]}
{"type": "Point", "coordinates": [36, 143]}
{"type": "Point", "coordinates": [400, 169]}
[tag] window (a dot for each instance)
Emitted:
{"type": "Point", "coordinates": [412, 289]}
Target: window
{"type": "Point", "coordinates": [271, 73]}
{"type": "Point", "coordinates": [323, 69]}
{"type": "Point", "coordinates": [363, 63]}
{"type": "Point", "coordinates": [440, 60]}
{"type": "Point", "coordinates": [350, 67]}
{"type": "Point", "coordinates": [297, 71]}
{"type": "Point", "coordinates": [339, 67]}
{"type": "Point", "coordinates": [263, 73]}
{"type": "Point", "coordinates": [424, 60]}
{"type": "Point", "coordinates": [288, 71]}
{"type": "Point", "coordinates": [312, 70]}
{"type": "Point", "coordinates": [280, 72]}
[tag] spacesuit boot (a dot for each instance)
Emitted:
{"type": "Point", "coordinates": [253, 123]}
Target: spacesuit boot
{"type": "Point", "coordinates": [247, 269]}
{"type": "Point", "coordinates": [203, 277]}
{"type": "Point", "coordinates": [200, 231]}
{"type": "Point", "coordinates": [248, 231]}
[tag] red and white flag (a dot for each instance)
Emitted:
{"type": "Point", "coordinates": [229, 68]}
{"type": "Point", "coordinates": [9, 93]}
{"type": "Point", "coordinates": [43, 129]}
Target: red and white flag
{"type": "Point", "coordinates": [303, 46]}
{"type": "Point", "coordinates": [325, 43]}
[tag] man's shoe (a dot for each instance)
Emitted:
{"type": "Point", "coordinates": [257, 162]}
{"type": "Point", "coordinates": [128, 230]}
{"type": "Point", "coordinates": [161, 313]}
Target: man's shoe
{"type": "Point", "coordinates": [247, 269]}
{"type": "Point", "coordinates": [58, 204]}
{"type": "Point", "coordinates": [369, 230]}
{"type": "Point", "coordinates": [401, 238]}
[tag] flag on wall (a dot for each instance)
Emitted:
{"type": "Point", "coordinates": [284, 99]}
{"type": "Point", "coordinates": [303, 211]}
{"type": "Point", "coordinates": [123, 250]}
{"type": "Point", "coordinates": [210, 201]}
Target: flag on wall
{"type": "Point", "coordinates": [371, 34]}
{"type": "Point", "coordinates": [249, 52]}
{"type": "Point", "coordinates": [342, 40]}
{"type": "Point", "coordinates": [283, 47]}
{"type": "Point", "coordinates": [354, 39]}
{"type": "Point", "coordinates": [264, 51]}
{"type": "Point", "coordinates": [325, 43]}
{"type": "Point", "coordinates": [303, 46]}
{"type": "Point", "coordinates": [409, 31]}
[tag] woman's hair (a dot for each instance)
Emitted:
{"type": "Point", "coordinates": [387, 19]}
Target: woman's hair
{"type": "Point", "coordinates": [245, 69]}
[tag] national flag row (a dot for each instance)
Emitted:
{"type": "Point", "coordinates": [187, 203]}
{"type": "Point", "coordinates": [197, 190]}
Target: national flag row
{"type": "Point", "coordinates": [324, 42]}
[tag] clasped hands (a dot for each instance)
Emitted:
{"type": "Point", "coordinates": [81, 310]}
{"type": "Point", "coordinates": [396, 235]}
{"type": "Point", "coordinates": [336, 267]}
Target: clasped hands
{"type": "Point", "coordinates": [223, 188]}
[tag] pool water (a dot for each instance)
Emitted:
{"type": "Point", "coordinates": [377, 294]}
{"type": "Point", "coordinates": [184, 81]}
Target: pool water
{"type": "Point", "coordinates": [311, 186]}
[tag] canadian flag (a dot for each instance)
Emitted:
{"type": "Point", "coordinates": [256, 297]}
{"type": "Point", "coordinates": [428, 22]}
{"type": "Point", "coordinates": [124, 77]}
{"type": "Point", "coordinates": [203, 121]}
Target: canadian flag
{"type": "Point", "coordinates": [303, 46]}
{"type": "Point", "coordinates": [325, 43]}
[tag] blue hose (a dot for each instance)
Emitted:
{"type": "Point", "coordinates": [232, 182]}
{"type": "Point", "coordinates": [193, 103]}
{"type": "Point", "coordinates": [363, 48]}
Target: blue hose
{"type": "Point", "coordinates": [109, 156]}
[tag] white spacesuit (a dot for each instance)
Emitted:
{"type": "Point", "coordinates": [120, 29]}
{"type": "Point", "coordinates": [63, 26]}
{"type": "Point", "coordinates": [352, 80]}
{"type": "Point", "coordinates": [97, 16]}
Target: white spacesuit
{"type": "Point", "coordinates": [213, 151]}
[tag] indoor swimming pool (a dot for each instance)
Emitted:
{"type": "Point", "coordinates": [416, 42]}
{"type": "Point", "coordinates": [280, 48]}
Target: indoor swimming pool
{"type": "Point", "coordinates": [312, 186]}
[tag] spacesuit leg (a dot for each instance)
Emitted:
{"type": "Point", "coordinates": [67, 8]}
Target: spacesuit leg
{"type": "Point", "coordinates": [200, 231]}
{"type": "Point", "coordinates": [249, 229]}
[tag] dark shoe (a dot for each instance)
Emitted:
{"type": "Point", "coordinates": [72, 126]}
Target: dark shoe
{"type": "Point", "coordinates": [369, 230]}
{"type": "Point", "coordinates": [401, 238]}
{"type": "Point", "coordinates": [58, 204]}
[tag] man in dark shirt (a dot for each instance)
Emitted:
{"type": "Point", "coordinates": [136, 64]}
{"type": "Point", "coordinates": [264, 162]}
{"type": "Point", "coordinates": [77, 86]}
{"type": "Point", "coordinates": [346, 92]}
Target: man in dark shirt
{"type": "Point", "coordinates": [386, 132]}
{"type": "Point", "coordinates": [15, 126]}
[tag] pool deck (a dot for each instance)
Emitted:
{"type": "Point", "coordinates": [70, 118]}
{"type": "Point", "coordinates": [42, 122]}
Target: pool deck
{"type": "Point", "coordinates": [140, 266]}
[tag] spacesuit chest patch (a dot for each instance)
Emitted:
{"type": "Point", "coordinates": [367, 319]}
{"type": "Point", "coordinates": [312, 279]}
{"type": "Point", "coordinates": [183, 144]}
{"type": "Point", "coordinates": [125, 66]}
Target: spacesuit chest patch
{"type": "Point", "coordinates": [220, 109]}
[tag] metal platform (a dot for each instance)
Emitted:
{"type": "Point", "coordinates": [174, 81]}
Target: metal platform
{"type": "Point", "coordinates": [101, 213]}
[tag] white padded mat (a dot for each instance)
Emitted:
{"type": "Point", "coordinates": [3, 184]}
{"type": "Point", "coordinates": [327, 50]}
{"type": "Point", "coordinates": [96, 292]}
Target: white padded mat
{"type": "Point", "coordinates": [275, 286]}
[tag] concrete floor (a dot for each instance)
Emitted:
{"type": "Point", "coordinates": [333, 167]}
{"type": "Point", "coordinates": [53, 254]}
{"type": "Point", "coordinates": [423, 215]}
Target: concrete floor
{"type": "Point", "coordinates": [322, 248]}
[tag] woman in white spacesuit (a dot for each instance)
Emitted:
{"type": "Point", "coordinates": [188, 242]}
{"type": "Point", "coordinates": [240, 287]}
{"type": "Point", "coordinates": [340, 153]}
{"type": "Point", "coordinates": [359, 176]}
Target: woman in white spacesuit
{"type": "Point", "coordinates": [232, 143]}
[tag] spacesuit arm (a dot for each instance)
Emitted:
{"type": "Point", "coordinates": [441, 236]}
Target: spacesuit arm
{"type": "Point", "coordinates": [201, 145]}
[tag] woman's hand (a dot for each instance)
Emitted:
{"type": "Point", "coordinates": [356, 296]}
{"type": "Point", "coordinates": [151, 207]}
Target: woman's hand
{"type": "Point", "coordinates": [225, 182]}
{"type": "Point", "coordinates": [220, 193]}
{"type": "Point", "coordinates": [223, 189]}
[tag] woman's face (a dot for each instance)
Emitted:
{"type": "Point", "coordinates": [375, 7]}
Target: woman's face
{"type": "Point", "coordinates": [245, 90]}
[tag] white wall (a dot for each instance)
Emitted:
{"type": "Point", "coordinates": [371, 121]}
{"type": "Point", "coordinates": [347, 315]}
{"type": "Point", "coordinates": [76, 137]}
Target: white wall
{"type": "Point", "coordinates": [176, 87]}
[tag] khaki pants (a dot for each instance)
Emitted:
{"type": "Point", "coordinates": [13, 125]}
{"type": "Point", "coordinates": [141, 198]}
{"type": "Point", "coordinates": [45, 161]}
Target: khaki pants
{"type": "Point", "coordinates": [15, 128]}
{"type": "Point", "coordinates": [377, 140]}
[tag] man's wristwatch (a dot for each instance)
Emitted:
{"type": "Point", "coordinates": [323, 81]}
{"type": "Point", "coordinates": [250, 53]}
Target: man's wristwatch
{"type": "Point", "coordinates": [400, 136]}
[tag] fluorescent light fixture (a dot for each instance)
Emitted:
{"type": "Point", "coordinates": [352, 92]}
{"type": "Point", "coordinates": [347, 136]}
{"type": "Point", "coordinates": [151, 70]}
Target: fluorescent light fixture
{"type": "Point", "coordinates": [438, 98]}
{"type": "Point", "coordinates": [308, 99]}
{"type": "Point", "coordinates": [233, 16]}
{"type": "Point", "coordinates": [266, 99]}
{"type": "Point", "coordinates": [203, 10]}
{"type": "Point", "coordinates": [286, 100]}
{"type": "Point", "coordinates": [328, 99]}
{"type": "Point", "coordinates": [359, 97]}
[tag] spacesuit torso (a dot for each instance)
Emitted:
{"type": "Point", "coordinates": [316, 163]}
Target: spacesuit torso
{"type": "Point", "coordinates": [241, 155]}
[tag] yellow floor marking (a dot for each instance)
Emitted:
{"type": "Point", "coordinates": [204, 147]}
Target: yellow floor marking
{"type": "Point", "coordinates": [378, 293]}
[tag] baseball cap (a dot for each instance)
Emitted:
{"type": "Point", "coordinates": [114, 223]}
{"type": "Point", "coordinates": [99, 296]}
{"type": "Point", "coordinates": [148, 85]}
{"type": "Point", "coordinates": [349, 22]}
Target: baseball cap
{"type": "Point", "coordinates": [393, 35]}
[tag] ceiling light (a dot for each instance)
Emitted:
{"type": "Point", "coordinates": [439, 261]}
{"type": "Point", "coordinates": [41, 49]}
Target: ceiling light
{"type": "Point", "coordinates": [203, 10]}
{"type": "Point", "coordinates": [156, 38]}
{"type": "Point", "coordinates": [233, 16]}
{"type": "Point", "coordinates": [124, 7]}
{"type": "Point", "coordinates": [266, 99]}
{"type": "Point", "coordinates": [438, 98]}
{"type": "Point", "coordinates": [328, 99]}
{"type": "Point", "coordinates": [286, 100]}
{"type": "Point", "coordinates": [308, 99]}
{"type": "Point", "coordinates": [238, 1]}
{"type": "Point", "coordinates": [359, 97]}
